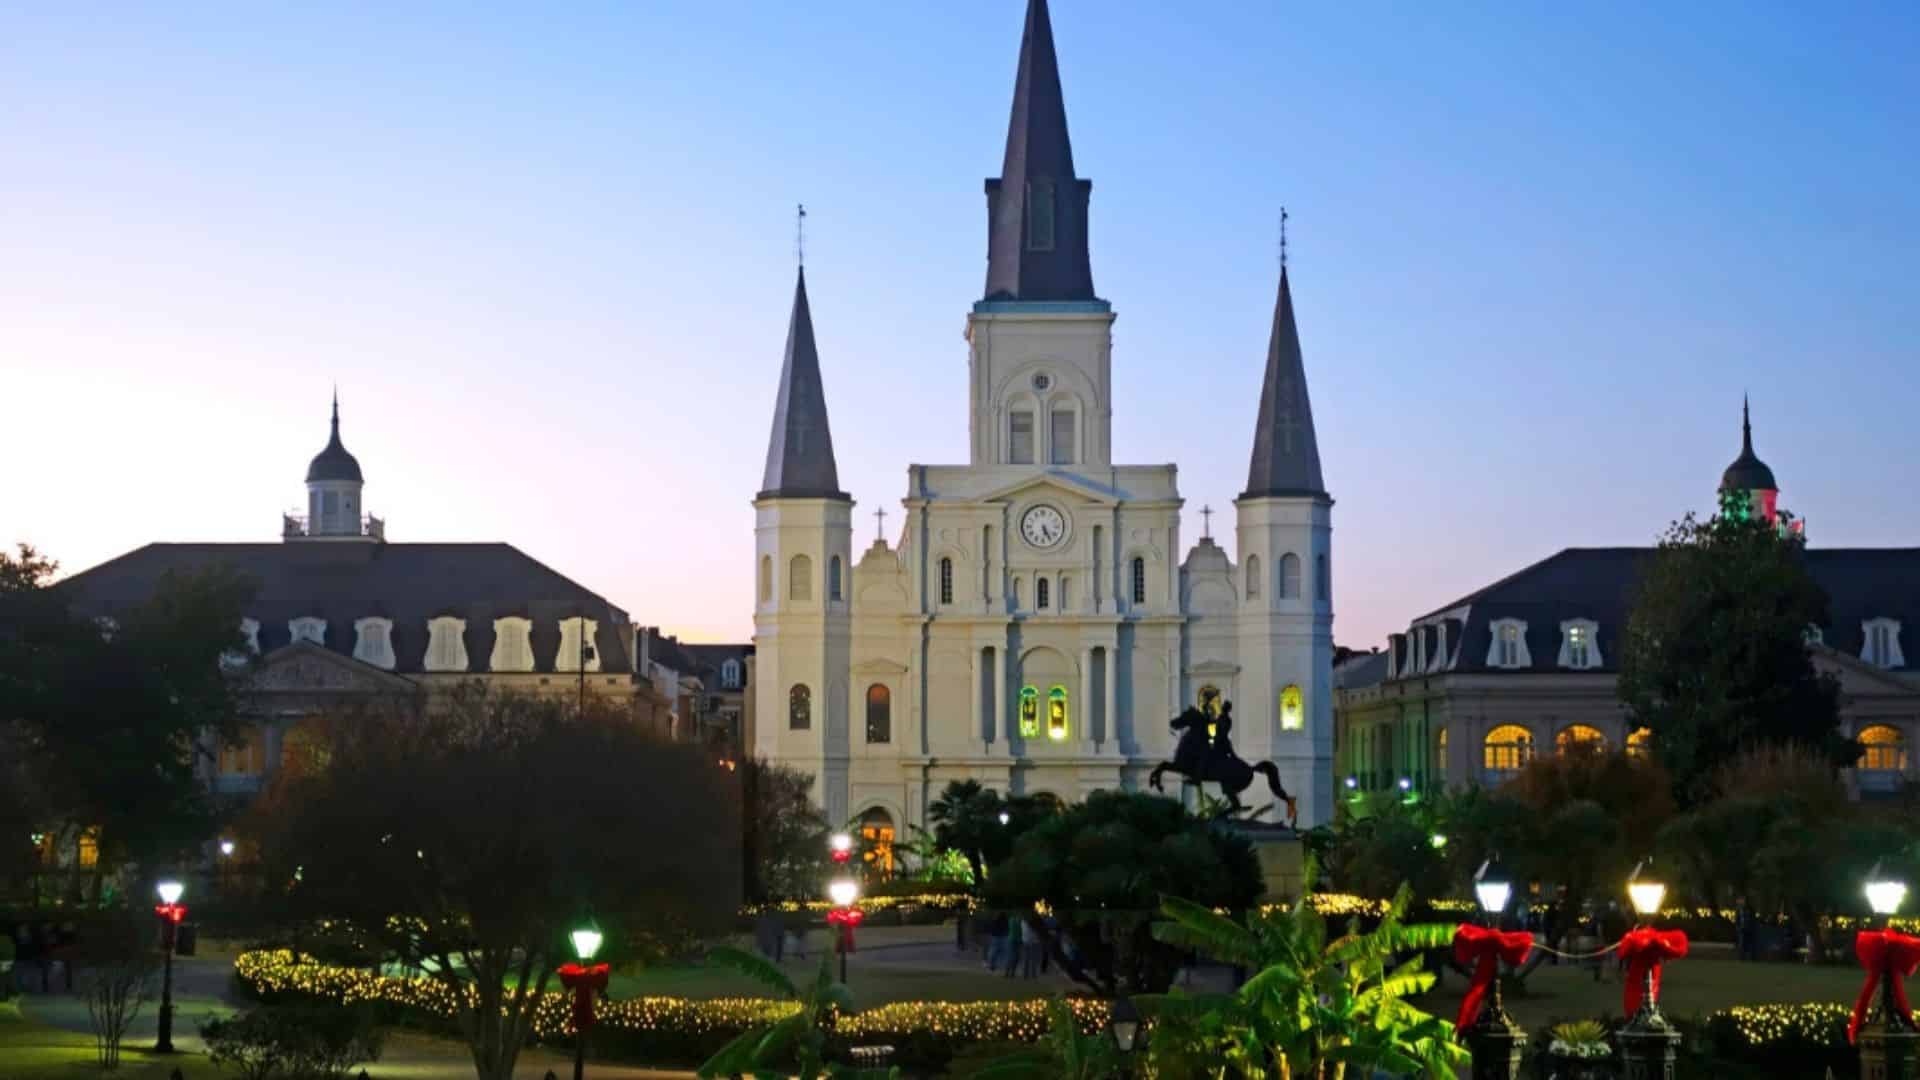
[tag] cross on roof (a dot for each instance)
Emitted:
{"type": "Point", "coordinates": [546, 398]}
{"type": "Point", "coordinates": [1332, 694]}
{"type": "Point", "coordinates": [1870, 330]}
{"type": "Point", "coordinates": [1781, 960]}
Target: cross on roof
{"type": "Point", "coordinates": [880, 524]}
{"type": "Point", "coordinates": [1206, 518]}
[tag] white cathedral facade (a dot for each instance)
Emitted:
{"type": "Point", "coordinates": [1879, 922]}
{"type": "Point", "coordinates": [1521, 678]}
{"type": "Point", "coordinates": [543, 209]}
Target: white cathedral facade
{"type": "Point", "coordinates": [1037, 625]}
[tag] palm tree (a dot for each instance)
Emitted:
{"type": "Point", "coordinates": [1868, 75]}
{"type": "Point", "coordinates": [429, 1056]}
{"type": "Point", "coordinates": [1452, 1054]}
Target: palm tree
{"type": "Point", "coordinates": [1315, 1006]}
{"type": "Point", "coordinates": [966, 818]}
{"type": "Point", "coordinates": [800, 1038]}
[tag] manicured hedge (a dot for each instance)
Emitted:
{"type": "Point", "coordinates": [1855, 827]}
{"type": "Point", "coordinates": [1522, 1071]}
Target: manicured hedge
{"type": "Point", "coordinates": [1784, 1040]}
{"type": "Point", "coordinates": [665, 1030]}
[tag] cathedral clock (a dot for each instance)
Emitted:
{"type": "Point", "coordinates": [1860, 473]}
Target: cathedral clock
{"type": "Point", "coordinates": [1043, 526]}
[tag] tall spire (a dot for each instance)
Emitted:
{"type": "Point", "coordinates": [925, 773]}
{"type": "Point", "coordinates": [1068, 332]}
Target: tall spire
{"type": "Point", "coordinates": [333, 462]}
{"type": "Point", "coordinates": [1748, 472]}
{"type": "Point", "coordinates": [1037, 208]}
{"type": "Point", "coordinates": [800, 451]}
{"type": "Point", "coordinates": [1286, 456]}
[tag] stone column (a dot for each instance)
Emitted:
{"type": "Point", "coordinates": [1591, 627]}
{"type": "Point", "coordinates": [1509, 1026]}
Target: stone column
{"type": "Point", "coordinates": [1000, 698]}
{"type": "Point", "coordinates": [979, 707]}
{"type": "Point", "coordinates": [1112, 651]}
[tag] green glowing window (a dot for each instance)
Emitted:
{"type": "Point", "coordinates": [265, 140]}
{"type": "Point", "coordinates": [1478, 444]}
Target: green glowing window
{"type": "Point", "coordinates": [1057, 714]}
{"type": "Point", "coordinates": [1029, 713]}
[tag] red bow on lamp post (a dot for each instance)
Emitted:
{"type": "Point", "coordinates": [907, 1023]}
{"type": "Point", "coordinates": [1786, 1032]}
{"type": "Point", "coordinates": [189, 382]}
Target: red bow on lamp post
{"type": "Point", "coordinates": [1889, 955]}
{"type": "Point", "coordinates": [585, 982]}
{"type": "Point", "coordinates": [1644, 950]}
{"type": "Point", "coordinates": [1484, 949]}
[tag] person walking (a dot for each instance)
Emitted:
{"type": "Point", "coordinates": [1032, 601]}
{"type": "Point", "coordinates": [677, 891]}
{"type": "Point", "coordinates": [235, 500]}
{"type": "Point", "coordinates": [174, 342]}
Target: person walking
{"type": "Point", "coordinates": [996, 940]}
{"type": "Point", "coordinates": [1014, 941]}
{"type": "Point", "coordinates": [1033, 945]}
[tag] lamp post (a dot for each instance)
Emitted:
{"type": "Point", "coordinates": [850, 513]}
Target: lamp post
{"type": "Point", "coordinates": [1649, 1042]}
{"type": "Point", "coordinates": [1886, 1037]}
{"type": "Point", "coordinates": [841, 846]}
{"type": "Point", "coordinates": [584, 979]}
{"type": "Point", "coordinates": [171, 911]}
{"type": "Point", "coordinates": [1123, 1020]}
{"type": "Point", "coordinates": [1497, 1043]}
{"type": "Point", "coordinates": [844, 892]}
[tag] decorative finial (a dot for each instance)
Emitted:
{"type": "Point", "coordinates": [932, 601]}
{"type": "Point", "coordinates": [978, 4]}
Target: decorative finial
{"type": "Point", "coordinates": [1283, 239]}
{"type": "Point", "coordinates": [880, 525]}
{"type": "Point", "coordinates": [1206, 522]}
{"type": "Point", "coordinates": [800, 234]}
{"type": "Point", "coordinates": [1746, 425]}
{"type": "Point", "coordinates": [336, 408]}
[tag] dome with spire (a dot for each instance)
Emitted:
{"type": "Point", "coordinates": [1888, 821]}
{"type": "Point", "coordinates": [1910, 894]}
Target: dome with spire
{"type": "Point", "coordinates": [333, 462]}
{"type": "Point", "coordinates": [1748, 472]}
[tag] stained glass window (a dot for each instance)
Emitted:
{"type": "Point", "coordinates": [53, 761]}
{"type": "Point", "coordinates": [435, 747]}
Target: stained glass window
{"type": "Point", "coordinates": [1029, 713]}
{"type": "Point", "coordinates": [1057, 714]}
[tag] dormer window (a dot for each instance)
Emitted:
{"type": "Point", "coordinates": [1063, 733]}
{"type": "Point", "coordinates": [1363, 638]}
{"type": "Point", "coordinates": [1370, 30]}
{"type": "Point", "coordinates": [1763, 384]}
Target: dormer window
{"type": "Point", "coordinates": [730, 675]}
{"type": "Point", "coordinates": [446, 644]}
{"type": "Point", "coordinates": [373, 642]}
{"type": "Point", "coordinates": [512, 644]}
{"type": "Point", "coordinates": [1579, 644]}
{"type": "Point", "coordinates": [1509, 648]}
{"type": "Point", "coordinates": [1040, 215]}
{"type": "Point", "coordinates": [250, 629]}
{"type": "Point", "coordinates": [308, 628]}
{"type": "Point", "coordinates": [1814, 635]}
{"type": "Point", "coordinates": [1881, 646]}
{"type": "Point", "coordinates": [574, 646]}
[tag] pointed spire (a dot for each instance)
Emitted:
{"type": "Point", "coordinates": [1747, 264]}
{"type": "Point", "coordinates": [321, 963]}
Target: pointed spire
{"type": "Point", "coordinates": [1748, 472]}
{"type": "Point", "coordinates": [1037, 208]}
{"type": "Point", "coordinates": [1286, 456]}
{"type": "Point", "coordinates": [333, 462]}
{"type": "Point", "coordinates": [800, 451]}
{"type": "Point", "coordinates": [1746, 428]}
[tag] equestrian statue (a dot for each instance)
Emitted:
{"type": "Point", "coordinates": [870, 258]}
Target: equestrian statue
{"type": "Point", "coordinates": [1205, 754]}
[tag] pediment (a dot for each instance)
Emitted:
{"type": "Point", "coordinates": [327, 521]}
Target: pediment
{"type": "Point", "coordinates": [1859, 677]}
{"type": "Point", "coordinates": [309, 668]}
{"type": "Point", "coordinates": [1065, 483]}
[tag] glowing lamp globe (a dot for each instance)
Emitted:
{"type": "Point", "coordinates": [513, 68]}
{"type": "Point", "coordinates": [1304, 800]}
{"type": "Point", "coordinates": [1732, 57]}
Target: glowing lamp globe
{"type": "Point", "coordinates": [1352, 782]}
{"type": "Point", "coordinates": [844, 892]}
{"type": "Point", "coordinates": [1005, 817]}
{"type": "Point", "coordinates": [1125, 1023]}
{"type": "Point", "coordinates": [1493, 894]}
{"type": "Point", "coordinates": [1406, 783]}
{"type": "Point", "coordinates": [840, 842]}
{"type": "Point", "coordinates": [226, 847]}
{"type": "Point", "coordinates": [1438, 840]}
{"type": "Point", "coordinates": [1885, 895]}
{"type": "Point", "coordinates": [170, 891]}
{"type": "Point", "coordinates": [586, 942]}
{"type": "Point", "coordinates": [1647, 895]}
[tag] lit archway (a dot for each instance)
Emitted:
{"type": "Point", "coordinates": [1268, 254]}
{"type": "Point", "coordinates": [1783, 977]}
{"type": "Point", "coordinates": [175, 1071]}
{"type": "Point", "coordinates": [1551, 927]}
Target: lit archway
{"type": "Point", "coordinates": [1506, 750]}
{"type": "Point", "coordinates": [1579, 737]}
{"type": "Point", "coordinates": [1883, 749]}
{"type": "Point", "coordinates": [877, 836]}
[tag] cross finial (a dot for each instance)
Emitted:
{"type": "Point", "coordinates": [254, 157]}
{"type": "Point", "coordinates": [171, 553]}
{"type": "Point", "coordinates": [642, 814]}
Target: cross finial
{"type": "Point", "coordinates": [1283, 239]}
{"type": "Point", "coordinates": [1206, 519]}
{"type": "Point", "coordinates": [800, 234]}
{"type": "Point", "coordinates": [880, 524]}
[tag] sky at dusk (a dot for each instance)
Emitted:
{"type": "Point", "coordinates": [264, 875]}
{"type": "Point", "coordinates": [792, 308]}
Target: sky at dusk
{"type": "Point", "coordinates": [546, 252]}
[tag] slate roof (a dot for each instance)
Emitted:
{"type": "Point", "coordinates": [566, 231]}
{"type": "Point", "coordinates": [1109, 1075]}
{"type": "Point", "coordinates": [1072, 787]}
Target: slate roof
{"type": "Point", "coordinates": [1286, 455]}
{"type": "Point", "coordinates": [1039, 158]}
{"type": "Point", "coordinates": [333, 462]}
{"type": "Point", "coordinates": [1597, 584]}
{"type": "Point", "coordinates": [348, 580]}
{"type": "Point", "coordinates": [800, 461]}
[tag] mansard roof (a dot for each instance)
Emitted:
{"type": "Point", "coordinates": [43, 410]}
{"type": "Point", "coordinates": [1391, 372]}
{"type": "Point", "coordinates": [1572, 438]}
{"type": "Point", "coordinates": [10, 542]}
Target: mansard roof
{"type": "Point", "coordinates": [407, 583]}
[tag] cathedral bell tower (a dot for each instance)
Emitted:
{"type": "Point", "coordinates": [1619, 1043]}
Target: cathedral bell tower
{"type": "Point", "coordinates": [803, 577]}
{"type": "Point", "coordinates": [333, 495]}
{"type": "Point", "coordinates": [1040, 381]}
{"type": "Point", "coordinates": [1284, 526]}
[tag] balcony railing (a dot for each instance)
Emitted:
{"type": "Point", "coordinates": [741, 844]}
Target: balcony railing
{"type": "Point", "coordinates": [297, 527]}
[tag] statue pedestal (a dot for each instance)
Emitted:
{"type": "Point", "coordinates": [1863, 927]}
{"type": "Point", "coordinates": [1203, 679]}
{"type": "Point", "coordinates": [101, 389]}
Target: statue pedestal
{"type": "Point", "coordinates": [1282, 858]}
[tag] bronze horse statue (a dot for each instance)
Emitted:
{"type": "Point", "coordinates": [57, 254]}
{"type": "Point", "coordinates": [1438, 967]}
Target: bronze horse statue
{"type": "Point", "coordinates": [1205, 758]}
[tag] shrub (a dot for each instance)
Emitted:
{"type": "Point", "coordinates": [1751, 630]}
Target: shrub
{"type": "Point", "coordinates": [316, 1042]}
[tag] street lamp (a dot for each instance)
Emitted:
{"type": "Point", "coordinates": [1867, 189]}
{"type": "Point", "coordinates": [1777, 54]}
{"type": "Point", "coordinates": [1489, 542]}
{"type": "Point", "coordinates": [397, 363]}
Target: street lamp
{"type": "Point", "coordinates": [585, 979]}
{"type": "Point", "coordinates": [1493, 889]}
{"type": "Point", "coordinates": [1005, 817]}
{"type": "Point", "coordinates": [1124, 1021]}
{"type": "Point", "coordinates": [226, 848]}
{"type": "Point", "coordinates": [1885, 894]}
{"type": "Point", "coordinates": [844, 917]}
{"type": "Point", "coordinates": [171, 911]}
{"type": "Point", "coordinates": [1889, 1045]}
{"type": "Point", "coordinates": [1499, 1044]}
{"type": "Point", "coordinates": [842, 846]}
{"type": "Point", "coordinates": [1649, 1043]}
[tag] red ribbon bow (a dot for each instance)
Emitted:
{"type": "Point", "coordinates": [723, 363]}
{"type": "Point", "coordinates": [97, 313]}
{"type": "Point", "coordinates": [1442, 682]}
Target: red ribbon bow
{"type": "Point", "coordinates": [845, 917]}
{"type": "Point", "coordinates": [1484, 949]}
{"type": "Point", "coordinates": [1887, 953]}
{"type": "Point", "coordinates": [584, 982]}
{"type": "Point", "coordinates": [1645, 950]}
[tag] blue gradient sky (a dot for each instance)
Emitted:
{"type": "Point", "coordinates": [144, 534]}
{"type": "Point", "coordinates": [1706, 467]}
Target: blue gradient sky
{"type": "Point", "coordinates": [1539, 250]}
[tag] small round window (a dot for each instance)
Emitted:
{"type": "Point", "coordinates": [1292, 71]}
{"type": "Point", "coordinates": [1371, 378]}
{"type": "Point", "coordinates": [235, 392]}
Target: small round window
{"type": "Point", "coordinates": [1042, 382]}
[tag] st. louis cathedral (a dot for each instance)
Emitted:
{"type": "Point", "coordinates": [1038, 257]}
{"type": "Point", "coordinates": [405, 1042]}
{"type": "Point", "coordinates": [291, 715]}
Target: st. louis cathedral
{"type": "Point", "coordinates": [1037, 624]}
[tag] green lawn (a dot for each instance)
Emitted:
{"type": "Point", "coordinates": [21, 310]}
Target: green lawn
{"type": "Point", "coordinates": [30, 1051]}
{"type": "Point", "coordinates": [1700, 984]}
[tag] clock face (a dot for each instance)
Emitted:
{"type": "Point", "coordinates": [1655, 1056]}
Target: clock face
{"type": "Point", "coordinates": [1043, 527]}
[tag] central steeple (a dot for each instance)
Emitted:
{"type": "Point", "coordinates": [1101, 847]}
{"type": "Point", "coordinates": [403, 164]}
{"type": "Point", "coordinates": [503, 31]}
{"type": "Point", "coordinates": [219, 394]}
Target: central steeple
{"type": "Point", "coordinates": [1037, 208]}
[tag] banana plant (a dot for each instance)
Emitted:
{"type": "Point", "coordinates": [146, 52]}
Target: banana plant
{"type": "Point", "coordinates": [1065, 1054]}
{"type": "Point", "coordinates": [795, 1045]}
{"type": "Point", "coordinates": [1315, 1006]}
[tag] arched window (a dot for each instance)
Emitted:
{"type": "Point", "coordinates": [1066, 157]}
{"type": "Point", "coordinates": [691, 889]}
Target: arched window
{"type": "Point", "coordinates": [1883, 749]}
{"type": "Point", "coordinates": [800, 578]}
{"type": "Point", "coordinates": [512, 644]}
{"type": "Point", "coordinates": [1029, 713]}
{"type": "Point", "coordinates": [1582, 736]}
{"type": "Point", "coordinates": [1020, 437]}
{"type": "Point", "coordinates": [730, 675]}
{"type": "Point", "coordinates": [799, 707]}
{"type": "Point", "coordinates": [877, 834]}
{"type": "Point", "coordinates": [833, 578]}
{"type": "Point", "coordinates": [446, 644]}
{"type": "Point", "coordinates": [879, 714]}
{"type": "Point", "coordinates": [766, 579]}
{"type": "Point", "coordinates": [1057, 714]}
{"type": "Point", "coordinates": [946, 581]}
{"type": "Point", "coordinates": [373, 641]}
{"type": "Point", "coordinates": [1639, 743]}
{"type": "Point", "coordinates": [1139, 580]}
{"type": "Point", "coordinates": [1289, 576]}
{"type": "Point", "coordinates": [1040, 594]}
{"type": "Point", "coordinates": [1060, 437]}
{"type": "Point", "coordinates": [1065, 604]}
{"type": "Point", "coordinates": [1253, 577]}
{"type": "Point", "coordinates": [1322, 583]}
{"type": "Point", "coordinates": [1293, 713]}
{"type": "Point", "coordinates": [1506, 751]}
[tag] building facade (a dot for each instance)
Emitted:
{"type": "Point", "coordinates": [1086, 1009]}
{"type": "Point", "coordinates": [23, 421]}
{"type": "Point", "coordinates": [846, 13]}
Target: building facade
{"type": "Point", "coordinates": [1471, 692]}
{"type": "Point", "coordinates": [1035, 624]}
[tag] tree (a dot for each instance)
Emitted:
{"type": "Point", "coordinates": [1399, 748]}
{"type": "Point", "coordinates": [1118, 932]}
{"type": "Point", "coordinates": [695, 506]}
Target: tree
{"type": "Point", "coordinates": [1385, 839]}
{"type": "Point", "coordinates": [800, 1038]}
{"type": "Point", "coordinates": [1715, 656]}
{"type": "Point", "coordinates": [784, 852]}
{"type": "Point", "coordinates": [1314, 1008]}
{"type": "Point", "coordinates": [1103, 866]}
{"type": "Point", "coordinates": [467, 841]}
{"type": "Point", "coordinates": [979, 824]}
{"type": "Point", "coordinates": [1587, 816]}
{"type": "Point", "coordinates": [109, 717]}
{"type": "Point", "coordinates": [120, 969]}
